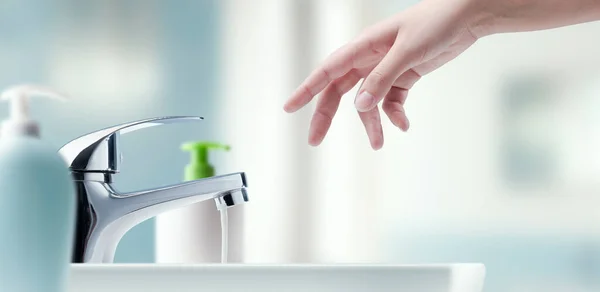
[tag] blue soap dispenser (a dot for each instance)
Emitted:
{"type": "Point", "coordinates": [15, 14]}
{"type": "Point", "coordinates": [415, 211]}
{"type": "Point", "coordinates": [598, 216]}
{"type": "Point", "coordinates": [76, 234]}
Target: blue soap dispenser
{"type": "Point", "coordinates": [37, 202]}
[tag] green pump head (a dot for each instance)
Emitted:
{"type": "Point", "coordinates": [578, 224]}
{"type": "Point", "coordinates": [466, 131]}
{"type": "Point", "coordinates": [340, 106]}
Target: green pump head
{"type": "Point", "coordinates": [199, 166]}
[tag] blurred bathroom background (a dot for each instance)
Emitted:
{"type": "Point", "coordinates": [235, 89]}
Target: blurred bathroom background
{"type": "Point", "coordinates": [501, 165]}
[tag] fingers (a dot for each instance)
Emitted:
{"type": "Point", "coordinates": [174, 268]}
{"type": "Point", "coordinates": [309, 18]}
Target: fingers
{"type": "Point", "coordinates": [336, 65]}
{"type": "Point", "coordinates": [407, 80]}
{"type": "Point", "coordinates": [393, 106]}
{"type": "Point", "coordinates": [372, 122]}
{"type": "Point", "coordinates": [367, 50]}
{"type": "Point", "coordinates": [328, 105]}
{"type": "Point", "coordinates": [382, 78]}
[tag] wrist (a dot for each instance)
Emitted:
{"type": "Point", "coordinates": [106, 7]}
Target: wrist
{"type": "Point", "coordinates": [488, 17]}
{"type": "Point", "coordinates": [481, 17]}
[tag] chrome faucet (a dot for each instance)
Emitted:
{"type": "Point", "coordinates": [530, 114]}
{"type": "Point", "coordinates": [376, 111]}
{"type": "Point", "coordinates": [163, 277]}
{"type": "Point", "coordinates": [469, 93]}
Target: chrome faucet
{"type": "Point", "coordinates": [104, 215]}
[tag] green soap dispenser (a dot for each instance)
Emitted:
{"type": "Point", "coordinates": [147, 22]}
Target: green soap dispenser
{"type": "Point", "coordinates": [37, 202]}
{"type": "Point", "coordinates": [192, 235]}
{"type": "Point", "coordinates": [199, 166]}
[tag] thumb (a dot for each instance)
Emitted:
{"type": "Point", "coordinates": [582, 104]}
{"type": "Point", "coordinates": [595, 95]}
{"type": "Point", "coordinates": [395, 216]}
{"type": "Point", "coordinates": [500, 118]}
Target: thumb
{"type": "Point", "coordinates": [381, 79]}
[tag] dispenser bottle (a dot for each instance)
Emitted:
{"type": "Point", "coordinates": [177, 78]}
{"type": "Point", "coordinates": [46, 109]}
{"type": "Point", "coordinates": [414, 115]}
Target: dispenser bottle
{"type": "Point", "coordinates": [37, 202]}
{"type": "Point", "coordinates": [193, 234]}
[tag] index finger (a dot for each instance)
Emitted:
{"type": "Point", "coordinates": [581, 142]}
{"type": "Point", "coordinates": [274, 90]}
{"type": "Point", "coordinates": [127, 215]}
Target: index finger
{"type": "Point", "coordinates": [335, 66]}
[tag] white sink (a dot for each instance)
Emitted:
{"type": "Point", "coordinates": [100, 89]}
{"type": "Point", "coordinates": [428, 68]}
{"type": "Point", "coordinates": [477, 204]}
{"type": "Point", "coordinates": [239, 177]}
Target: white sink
{"type": "Point", "coordinates": [284, 278]}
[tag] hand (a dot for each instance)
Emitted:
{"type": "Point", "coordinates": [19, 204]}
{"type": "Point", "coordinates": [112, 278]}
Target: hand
{"type": "Point", "coordinates": [390, 56]}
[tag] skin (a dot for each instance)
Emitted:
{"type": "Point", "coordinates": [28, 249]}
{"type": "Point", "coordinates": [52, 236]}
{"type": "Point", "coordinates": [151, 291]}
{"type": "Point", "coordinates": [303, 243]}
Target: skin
{"type": "Point", "coordinates": [392, 55]}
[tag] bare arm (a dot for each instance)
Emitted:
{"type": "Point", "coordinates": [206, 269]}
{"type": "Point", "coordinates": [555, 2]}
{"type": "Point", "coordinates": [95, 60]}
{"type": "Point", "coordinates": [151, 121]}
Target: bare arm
{"type": "Point", "coordinates": [391, 56]}
{"type": "Point", "coordinates": [530, 15]}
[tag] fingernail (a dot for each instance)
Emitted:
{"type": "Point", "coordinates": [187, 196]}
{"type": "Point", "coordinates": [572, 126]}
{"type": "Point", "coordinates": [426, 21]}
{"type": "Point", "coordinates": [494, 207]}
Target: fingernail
{"type": "Point", "coordinates": [364, 101]}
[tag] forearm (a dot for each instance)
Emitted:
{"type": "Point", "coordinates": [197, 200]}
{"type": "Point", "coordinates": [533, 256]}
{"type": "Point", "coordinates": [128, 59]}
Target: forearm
{"type": "Point", "coordinates": [501, 16]}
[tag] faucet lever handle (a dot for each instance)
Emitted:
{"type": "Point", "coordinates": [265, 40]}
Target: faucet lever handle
{"type": "Point", "coordinates": [99, 151]}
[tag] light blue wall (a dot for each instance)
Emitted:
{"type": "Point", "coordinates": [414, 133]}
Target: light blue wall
{"type": "Point", "coordinates": [184, 39]}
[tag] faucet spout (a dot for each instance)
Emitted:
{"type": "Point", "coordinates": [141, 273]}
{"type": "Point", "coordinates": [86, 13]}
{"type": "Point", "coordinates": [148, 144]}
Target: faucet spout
{"type": "Point", "coordinates": [111, 214]}
{"type": "Point", "coordinates": [154, 202]}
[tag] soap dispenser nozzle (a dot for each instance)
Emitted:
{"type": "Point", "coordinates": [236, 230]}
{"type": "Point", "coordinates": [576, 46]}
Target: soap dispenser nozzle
{"type": "Point", "coordinates": [20, 122]}
{"type": "Point", "coordinates": [199, 166]}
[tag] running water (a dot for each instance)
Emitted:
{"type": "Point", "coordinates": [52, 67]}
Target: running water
{"type": "Point", "coordinates": [224, 233]}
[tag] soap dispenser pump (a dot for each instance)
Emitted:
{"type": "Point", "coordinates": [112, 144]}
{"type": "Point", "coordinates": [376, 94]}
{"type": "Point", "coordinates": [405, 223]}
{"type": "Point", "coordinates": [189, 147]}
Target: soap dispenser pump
{"type": "Point", "coordinates": [199, 166]}
{"type": "Point", "coordinates": [37, 201]}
